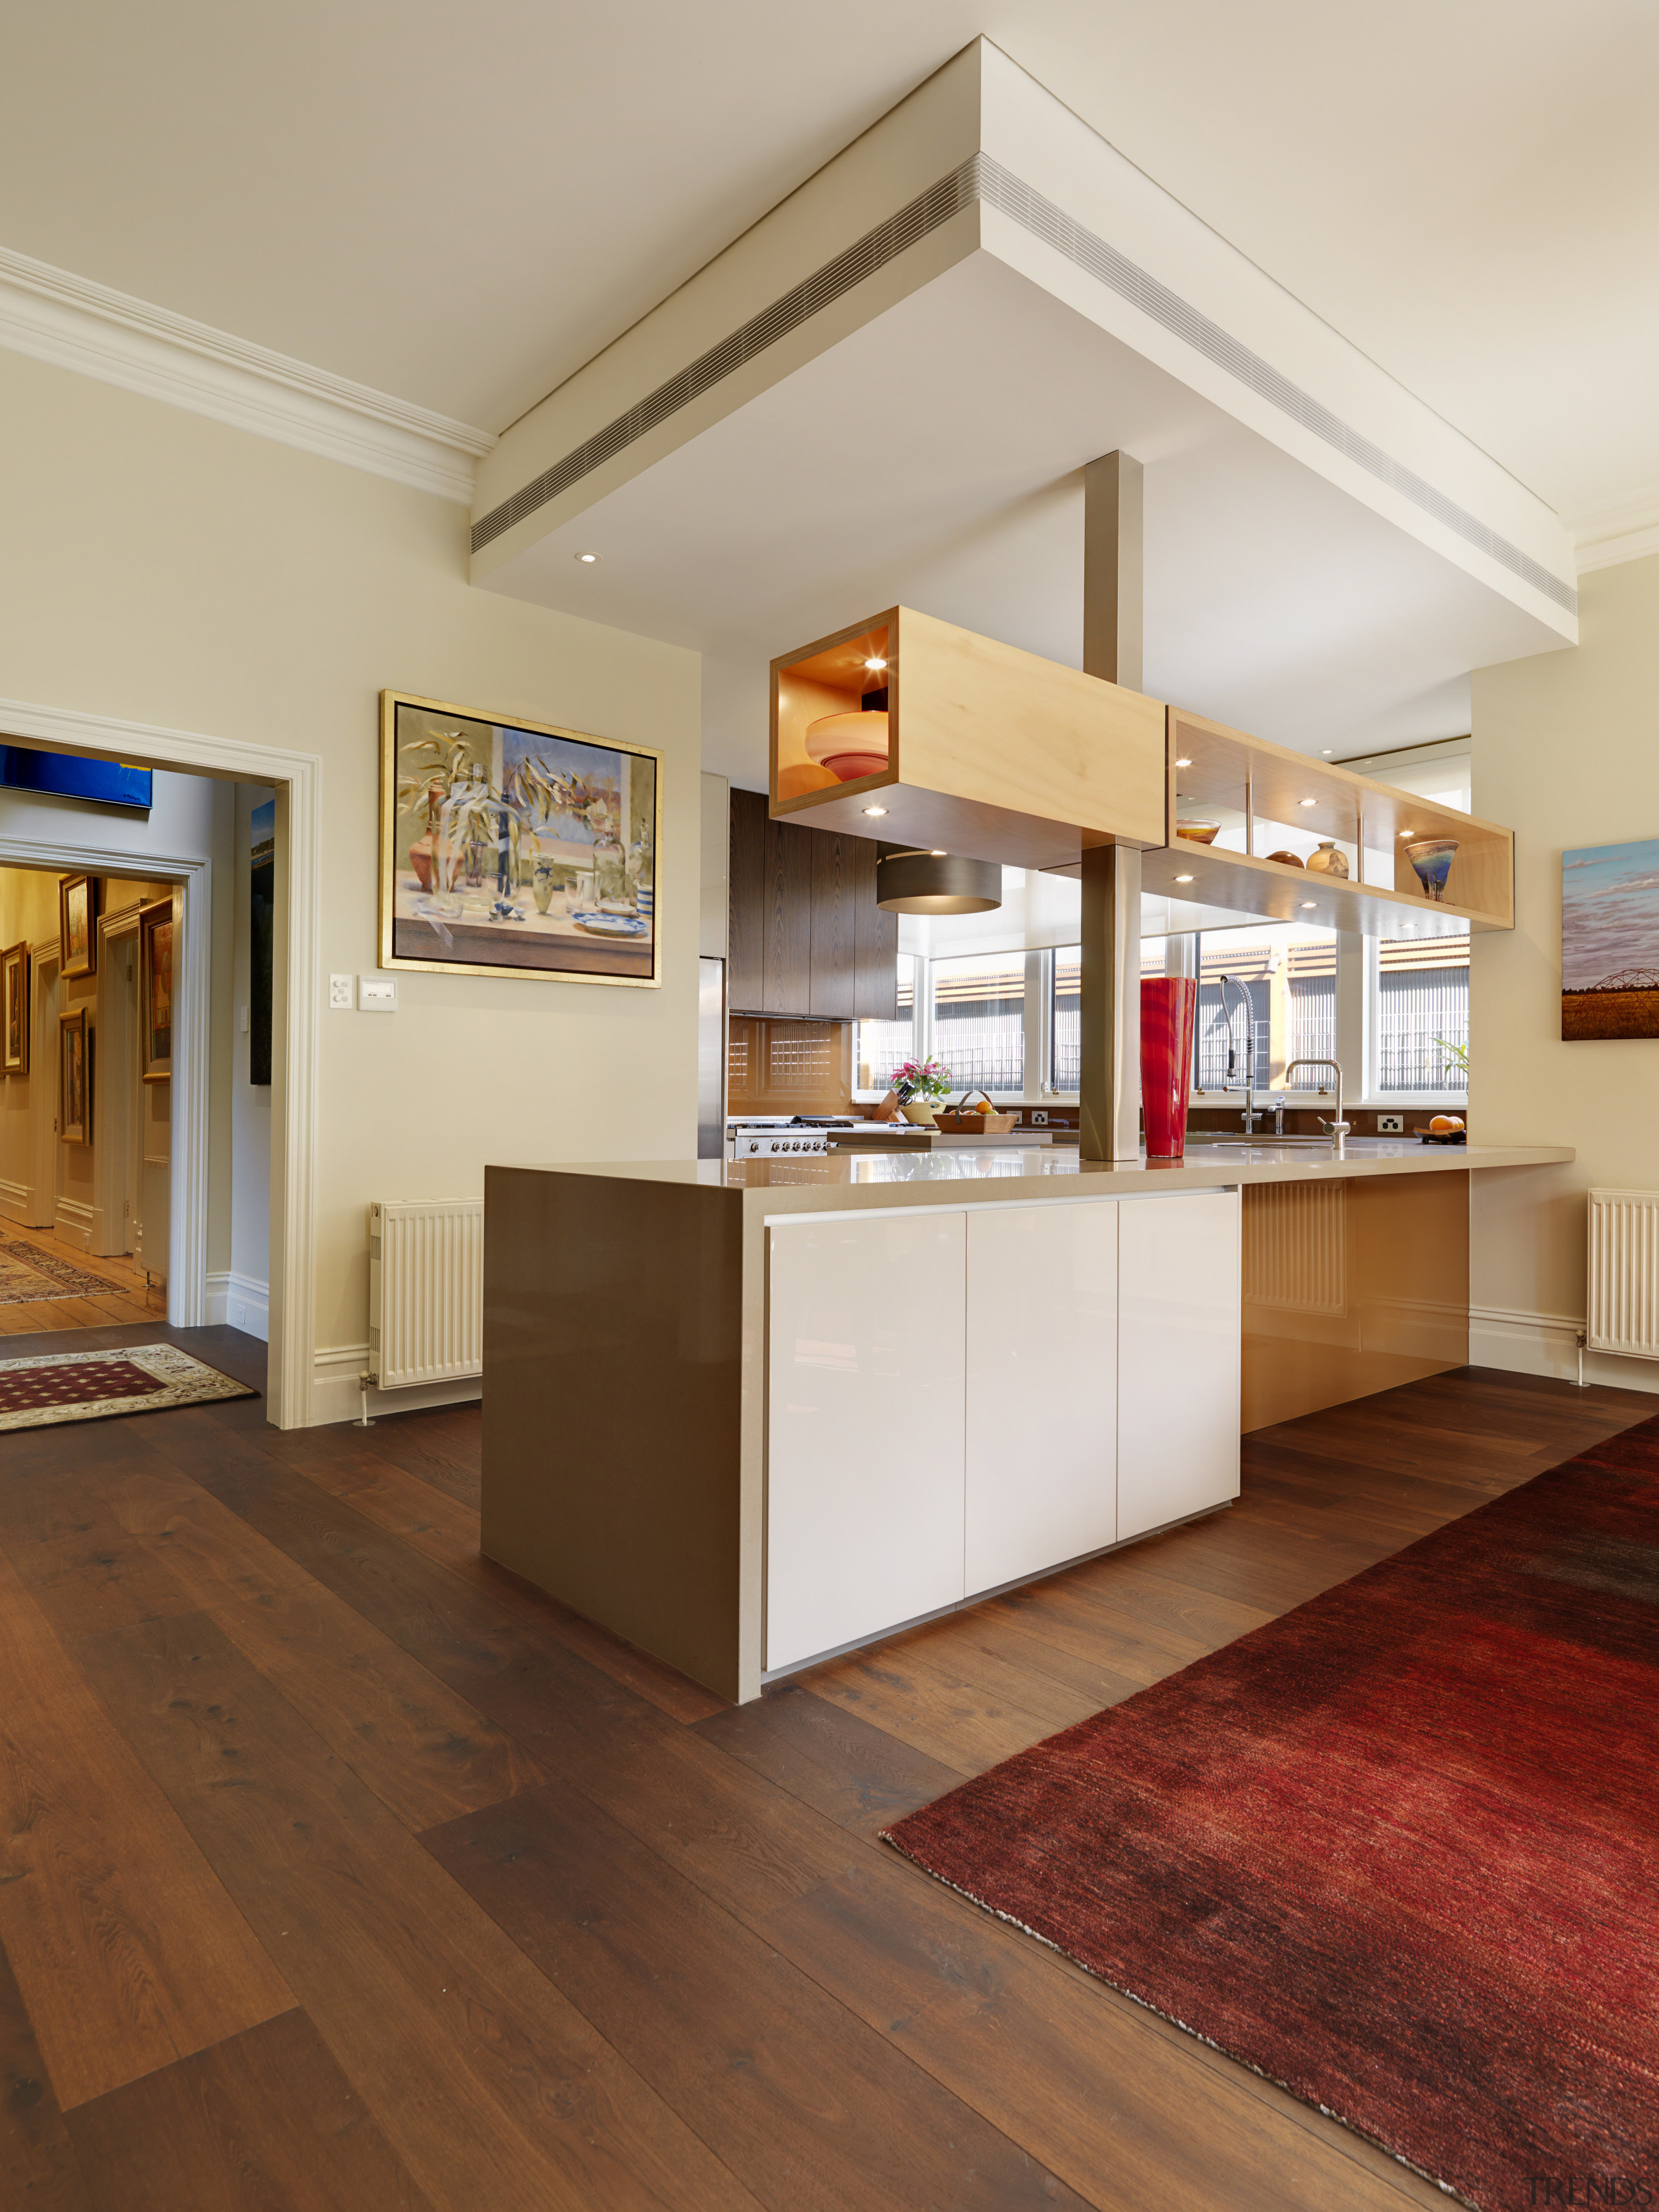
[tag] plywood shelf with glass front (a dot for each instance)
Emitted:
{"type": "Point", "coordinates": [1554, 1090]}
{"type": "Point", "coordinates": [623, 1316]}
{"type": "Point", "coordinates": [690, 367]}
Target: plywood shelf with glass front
{"type": "Point", "coordinates": [908, 729]}
{"type": "Point", "coordinates": [1265, 830]}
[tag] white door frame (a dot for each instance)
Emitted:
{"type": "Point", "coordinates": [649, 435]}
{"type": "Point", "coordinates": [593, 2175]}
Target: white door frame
{"type": "Point", "coordinates": [44, 959]}
{"type": "Point", "coordinates": [115, 1106]}
{"type": "Point", "coordinates": [297, 779]}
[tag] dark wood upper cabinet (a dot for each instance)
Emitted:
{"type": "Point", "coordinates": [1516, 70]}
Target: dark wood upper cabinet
{"type": "Point", "coordinates": [806, 937]}
{"type": "Point", "coordinates": [746, 930]}
{"type": "Point", "coordinates": [875, 941]}
{"type": "Point", "coordinates": [833, 991]}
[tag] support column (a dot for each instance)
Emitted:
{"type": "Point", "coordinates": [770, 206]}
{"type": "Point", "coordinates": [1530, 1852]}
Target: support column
{"type": "Point", "coordinates": [1109, 1120]}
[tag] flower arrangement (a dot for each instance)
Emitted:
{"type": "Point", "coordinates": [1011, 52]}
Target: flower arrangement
{"type": "Point", "coordinates": [921, 1079]}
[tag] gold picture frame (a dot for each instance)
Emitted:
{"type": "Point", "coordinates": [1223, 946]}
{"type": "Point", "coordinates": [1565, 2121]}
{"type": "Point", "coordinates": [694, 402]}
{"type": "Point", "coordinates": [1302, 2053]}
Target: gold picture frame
{"type": "Point", "coordinates": [155, 992]}
{"type": "Point", "coordinates": [518, 849]}
{"type": "Point", "coordinates": [74, 1078]}
{"type": "Point", "coordinates": [78, 926]}
{"type": "Point", "coordinates": [14, 1009]}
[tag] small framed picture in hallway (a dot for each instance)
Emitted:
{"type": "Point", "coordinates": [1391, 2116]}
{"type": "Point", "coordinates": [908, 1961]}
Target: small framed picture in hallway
{"type": "Point", "coordinates": [77, 925]}
{"type": "Point", "coordinates": [156, 976]}
{"type": "Point", "coordinates": [15, 1010]}
{"type": "Point", "coordinates": [74, 1078]}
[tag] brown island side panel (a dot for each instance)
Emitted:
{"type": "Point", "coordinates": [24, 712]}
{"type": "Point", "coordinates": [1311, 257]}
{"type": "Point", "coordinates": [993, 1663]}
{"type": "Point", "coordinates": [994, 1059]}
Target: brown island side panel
{"type": "Point", "coordinates": [611, 1393]}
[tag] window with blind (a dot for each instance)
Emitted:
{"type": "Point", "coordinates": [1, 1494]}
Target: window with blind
{"type": "Point", "coordinates": [1423, 1014]}
{"type": "Point", "coordinates": [979, 1020]}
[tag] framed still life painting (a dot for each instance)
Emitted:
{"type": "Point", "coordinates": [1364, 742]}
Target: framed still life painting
{"type": "Point", "coordinates": [74, 1078]}
{"type": "Point", "coordinates": [15, 1010]}
{"type": "Point", "coordinates": [77, 925]}
{"type": "Point", "coordinates": [515, 848]}
{"type": "Point", "coordinates": [1610, 941]}
{"type": "Point", "coordinates": [155, 991]}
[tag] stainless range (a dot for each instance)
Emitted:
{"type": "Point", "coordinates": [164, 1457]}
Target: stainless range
{"type": "Point", "coordinates": [765, 1136]}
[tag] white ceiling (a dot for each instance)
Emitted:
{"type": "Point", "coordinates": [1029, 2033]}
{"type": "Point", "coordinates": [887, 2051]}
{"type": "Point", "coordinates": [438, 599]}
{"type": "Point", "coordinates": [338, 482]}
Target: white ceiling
{"type": "Point", "coordinates": [900, 466]}
{"type": "Point", "coordinates": [460, 205]}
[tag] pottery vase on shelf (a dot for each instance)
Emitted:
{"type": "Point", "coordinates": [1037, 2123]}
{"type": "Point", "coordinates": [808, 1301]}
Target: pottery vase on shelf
{"type": "Point", "coordinates": [1432, 858]}
{"type": "Point", "coordinates": [1327, 860]}
{"type": "Point", "coordinates": [1168, 1006]}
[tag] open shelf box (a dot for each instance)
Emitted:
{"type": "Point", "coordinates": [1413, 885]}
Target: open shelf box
{"type": "Point", "coordinates": [991, 753]}
{"type": "Point", "coordinates": [1266, 800]}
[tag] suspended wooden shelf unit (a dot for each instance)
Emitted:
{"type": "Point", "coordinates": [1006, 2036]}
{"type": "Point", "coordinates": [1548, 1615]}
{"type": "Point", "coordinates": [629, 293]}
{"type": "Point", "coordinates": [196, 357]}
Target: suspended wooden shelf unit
{"type": "Point", "coordinates": [970, 746]}
{"type": "Point", "coordinates": [1264, 801]}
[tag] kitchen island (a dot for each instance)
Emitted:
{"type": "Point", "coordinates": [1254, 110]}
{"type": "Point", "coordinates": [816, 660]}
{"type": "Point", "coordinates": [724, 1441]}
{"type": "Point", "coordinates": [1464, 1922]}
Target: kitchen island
{"type": "Point", "coordinates": [748, 1413]}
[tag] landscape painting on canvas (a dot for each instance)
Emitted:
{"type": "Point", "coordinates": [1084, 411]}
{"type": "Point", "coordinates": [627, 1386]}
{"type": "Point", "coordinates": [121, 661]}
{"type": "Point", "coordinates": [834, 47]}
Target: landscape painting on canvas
{"type": "Point", "coordinates": [1610, 941]}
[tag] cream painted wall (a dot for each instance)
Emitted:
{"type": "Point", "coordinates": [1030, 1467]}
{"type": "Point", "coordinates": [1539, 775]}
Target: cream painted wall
{"type": "Point", "coordinates": [159, 567]}
{"type": "Point", "coordinates": [1566, 751]}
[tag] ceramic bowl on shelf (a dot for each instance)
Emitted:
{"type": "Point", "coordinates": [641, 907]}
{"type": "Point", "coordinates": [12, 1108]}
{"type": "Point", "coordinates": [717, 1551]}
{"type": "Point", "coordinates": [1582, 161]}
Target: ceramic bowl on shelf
{"type": "Point", "coordinates": [850, 746]}
{"type": "Point", "coordinates": [1328, 860]}
{"type": "Point", "coordinates": [1287, 860]}
{"type": "Point", "coordinates": [1200, 833]}
{"type": "Point", "coordinates": [1432, 858]}
{"type": "Point", "coordinates": [795, 781]}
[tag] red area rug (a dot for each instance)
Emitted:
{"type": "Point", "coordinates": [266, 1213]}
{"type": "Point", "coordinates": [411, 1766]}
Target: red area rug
{"type": "Point", "coordinates": [91, 1386]}
{"type": "Point", "coordinates": [1398, 1850]}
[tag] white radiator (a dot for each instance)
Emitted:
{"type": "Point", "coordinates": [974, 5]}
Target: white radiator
{"type": "Point", "coordinates": [425, 1290]}
{"type": "Point", "coordinates": [1624, 1272]}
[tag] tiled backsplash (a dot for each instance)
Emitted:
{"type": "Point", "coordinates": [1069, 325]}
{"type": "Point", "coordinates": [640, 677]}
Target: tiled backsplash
{"type": "Point", "coordinates": [788, 1067]}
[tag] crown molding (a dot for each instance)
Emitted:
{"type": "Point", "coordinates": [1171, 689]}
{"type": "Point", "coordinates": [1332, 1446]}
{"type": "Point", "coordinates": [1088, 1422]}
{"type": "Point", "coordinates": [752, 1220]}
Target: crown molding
{"type": "Point", "coordinates": [54, 316]}
{"type": "Point", "coordinates": [1624, 529]}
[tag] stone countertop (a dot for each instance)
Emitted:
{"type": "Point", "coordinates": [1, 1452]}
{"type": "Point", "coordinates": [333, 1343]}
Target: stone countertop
{"type": "Point", "coordinates": [825, 1182]}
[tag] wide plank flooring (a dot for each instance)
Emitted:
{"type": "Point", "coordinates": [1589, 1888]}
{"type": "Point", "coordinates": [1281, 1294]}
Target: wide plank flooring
{"type": "Point", "coordinates": [127, 1295]}
{"type": "Point", "coordinates": [339, 1868]}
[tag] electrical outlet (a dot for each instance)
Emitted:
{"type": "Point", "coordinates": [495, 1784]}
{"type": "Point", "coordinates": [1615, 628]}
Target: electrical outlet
{"type": "Point", "coordinates": [1390, 1125]}
{"type": "Point", "coordinates": [377, 994]}
{"type": "Point", "coordinates": [1039, 1117]}
{"type": "Point", "coordinates": [339, 992]}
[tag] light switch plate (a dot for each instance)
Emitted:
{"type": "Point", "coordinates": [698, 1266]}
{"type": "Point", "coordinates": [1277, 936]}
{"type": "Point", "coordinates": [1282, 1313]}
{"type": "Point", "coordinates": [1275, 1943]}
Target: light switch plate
{"type": "Point", "coordinates": [339, 992]}
{"type": "Point", "coordinates": [1390, 1125]}
{"type": "Point", "coordinates": [377, 994]}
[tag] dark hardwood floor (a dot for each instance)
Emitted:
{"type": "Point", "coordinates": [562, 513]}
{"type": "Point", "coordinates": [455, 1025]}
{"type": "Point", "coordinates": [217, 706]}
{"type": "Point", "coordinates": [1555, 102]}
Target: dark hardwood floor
{"type": "Point", "coordinates": [341, 1869]}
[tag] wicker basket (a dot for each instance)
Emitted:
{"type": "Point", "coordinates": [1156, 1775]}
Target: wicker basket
{"type": "Point", "coordinates": [958, 1121]}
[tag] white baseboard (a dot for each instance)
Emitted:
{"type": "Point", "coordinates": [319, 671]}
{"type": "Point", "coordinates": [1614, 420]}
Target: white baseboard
{"type": "Point", "coordinates": [240, 1302]}
{"type": "Point", "coordinates": [73, 1222]}
{"type": "Point", "coordinates": [16, 1202]}
{"type": "Point", "coordinates": [1547, 1343]}
{"type": "Point", "coordinates": [335, 1397]}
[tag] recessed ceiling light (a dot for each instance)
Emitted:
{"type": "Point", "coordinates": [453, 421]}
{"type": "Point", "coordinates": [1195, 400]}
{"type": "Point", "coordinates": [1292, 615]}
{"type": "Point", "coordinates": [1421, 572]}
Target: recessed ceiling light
{"type": "Point", "coordinates": [1310, 802]}
{"type": "Point", "coordinates": [1308, 906]}
{"type": "Point", "coordinates": [1327, 751]}
{"type": "Point", "coordinates": [1183, 763]}
{"type": "Point", "coordinates": [876, 663]}
{"type": "Point", "coordinates": [1183, 879]}
{"type": "Point", "coordinates": [938, 852]}
{"type": "Point", "coordinates": [588, 557]}
{"type": "Point", "coordinates": [875, 809]}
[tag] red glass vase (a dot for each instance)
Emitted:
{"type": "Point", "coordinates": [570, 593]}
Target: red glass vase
{"type": "Point", "coordinates": [1168, 1005]}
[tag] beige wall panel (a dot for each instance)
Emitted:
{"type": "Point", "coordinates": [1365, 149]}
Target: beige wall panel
{"type": "Point", "coordinates": [1352, 1287]}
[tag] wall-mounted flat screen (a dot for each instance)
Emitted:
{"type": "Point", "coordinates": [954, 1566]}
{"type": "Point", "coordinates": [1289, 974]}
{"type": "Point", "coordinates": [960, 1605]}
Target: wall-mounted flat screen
{"type": "Point", "coordinates": [66, 775]}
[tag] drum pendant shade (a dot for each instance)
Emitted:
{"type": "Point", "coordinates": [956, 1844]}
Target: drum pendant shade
{"type": "Point", "coordinates": [937, 882]}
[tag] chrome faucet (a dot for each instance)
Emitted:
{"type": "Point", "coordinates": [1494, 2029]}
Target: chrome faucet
{"type": "Point", "coordinates": [1338, 1129]}
{"type": "Point", "coordinates": [1248, 1116]}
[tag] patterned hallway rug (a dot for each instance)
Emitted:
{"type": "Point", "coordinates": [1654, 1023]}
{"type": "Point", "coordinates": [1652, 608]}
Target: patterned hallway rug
{"type": "Point", "coordinates": [28, 1276]}
{"type": "Point", "coordinates": [95, 1386]}
{"type": "Point", "coordinates": [1398, 1850]}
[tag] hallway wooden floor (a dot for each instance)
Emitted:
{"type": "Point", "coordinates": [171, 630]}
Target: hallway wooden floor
{"type": "Point", "coordinates": [126, 1296]}
{"type": "Point", "coordinates": [339, 1869]}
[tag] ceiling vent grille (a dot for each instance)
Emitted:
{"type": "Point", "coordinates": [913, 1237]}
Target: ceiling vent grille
{"type": "Point", "coordinates": [981, 176]}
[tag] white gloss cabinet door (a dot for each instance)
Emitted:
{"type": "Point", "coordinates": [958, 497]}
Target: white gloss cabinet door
{"type": "Point", "coordinates": [864, 1427]}
{"type": "Point", "coordinates": [1180, 1330]}
{"type": "Point", "coordinates": [1043, 1294]}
